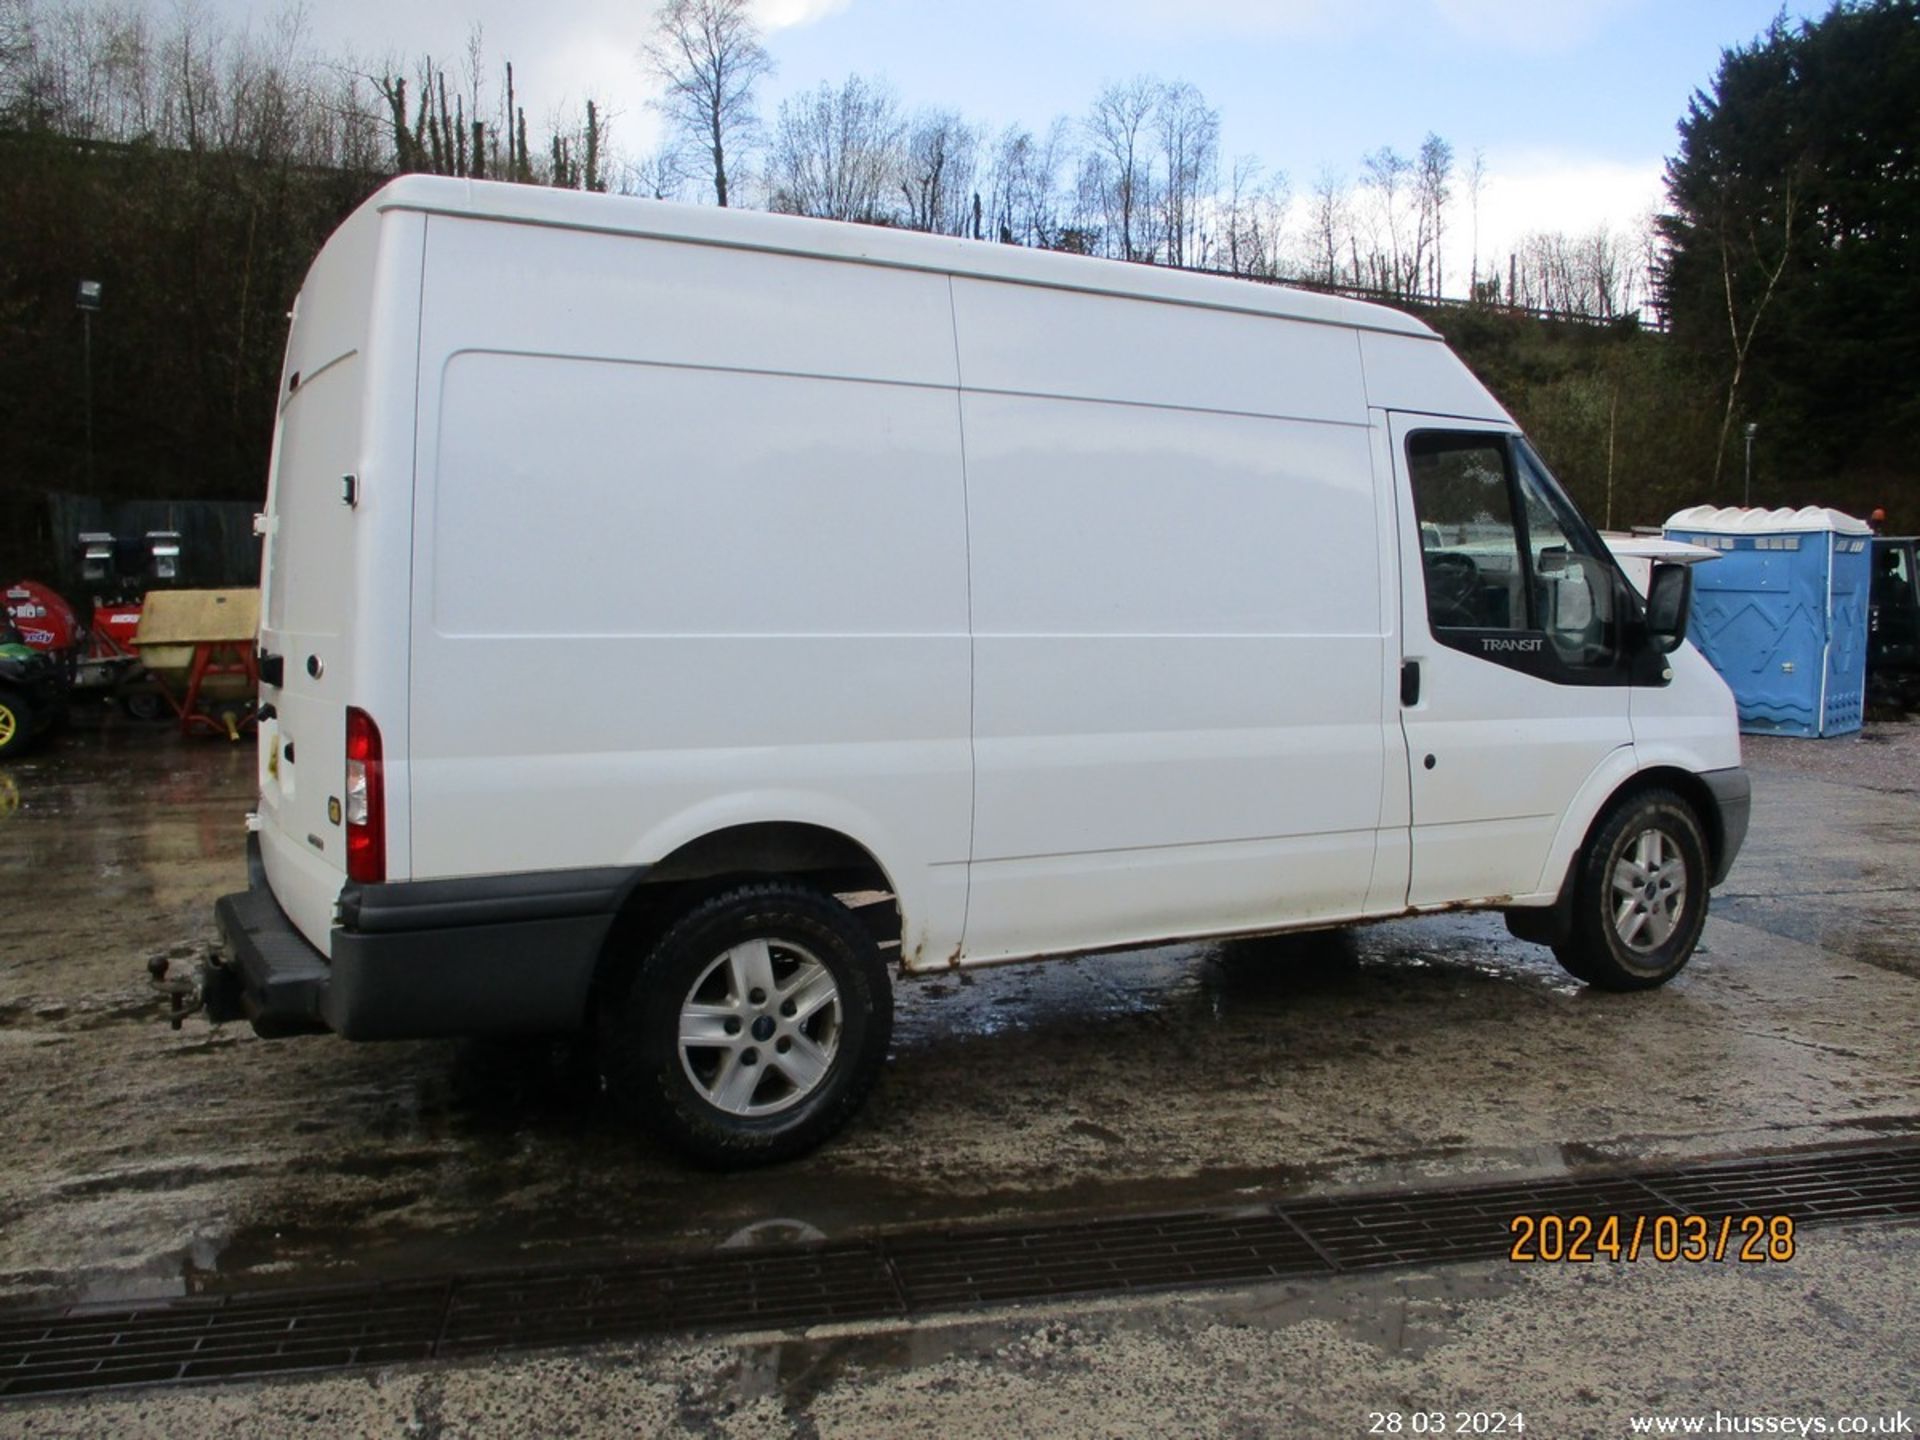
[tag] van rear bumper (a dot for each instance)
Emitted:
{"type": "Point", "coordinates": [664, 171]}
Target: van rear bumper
{"type": "Point", "coordinates": [500, 955]}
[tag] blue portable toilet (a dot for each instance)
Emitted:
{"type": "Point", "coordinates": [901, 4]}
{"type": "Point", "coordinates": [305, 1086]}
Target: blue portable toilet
{"type": "Point", "coordinates": [1783, 616]}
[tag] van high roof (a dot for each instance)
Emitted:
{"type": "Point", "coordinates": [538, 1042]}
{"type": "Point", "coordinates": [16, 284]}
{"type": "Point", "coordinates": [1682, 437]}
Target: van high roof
{"type": "Point", "coordinates": [874, 245]}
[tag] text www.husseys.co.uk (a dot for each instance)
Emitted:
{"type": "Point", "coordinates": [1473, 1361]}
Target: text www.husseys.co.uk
{"type": "Point", "coordinates": [1722, 1422]}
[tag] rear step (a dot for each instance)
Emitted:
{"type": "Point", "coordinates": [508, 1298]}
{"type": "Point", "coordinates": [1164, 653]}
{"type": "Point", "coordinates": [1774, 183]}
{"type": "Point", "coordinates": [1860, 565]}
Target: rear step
{"type": "Point", "coordinates": [272, 976]}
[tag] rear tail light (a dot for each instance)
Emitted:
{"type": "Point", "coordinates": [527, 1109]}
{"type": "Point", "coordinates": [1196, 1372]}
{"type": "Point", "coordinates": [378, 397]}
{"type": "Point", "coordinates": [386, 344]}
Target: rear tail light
{"type": "Point", "coordinates": [366, 801]}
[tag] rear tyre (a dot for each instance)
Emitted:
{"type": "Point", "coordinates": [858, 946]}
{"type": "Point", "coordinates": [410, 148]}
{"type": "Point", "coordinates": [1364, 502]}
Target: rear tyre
{"type": "Point", "coordinates": [18, 724]}
{"type": "Point", "coordinates": [752, 1029]}
{"type": "Point", "coordinates": [1640, 897]}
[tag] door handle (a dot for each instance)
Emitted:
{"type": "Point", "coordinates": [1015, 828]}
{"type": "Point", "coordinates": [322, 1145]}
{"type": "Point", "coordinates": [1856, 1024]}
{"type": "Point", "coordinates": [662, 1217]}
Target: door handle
{"type": "Point", "coordinates": [1409, 682]}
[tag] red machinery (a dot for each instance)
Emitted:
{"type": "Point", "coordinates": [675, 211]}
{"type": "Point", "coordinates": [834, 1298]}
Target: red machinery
{"type": "Point", "coordinates": [100, 656]}
{"type": "Point", "coordinates": [44, 619]}
{"type": "Point", "coordinates": [97, 657]}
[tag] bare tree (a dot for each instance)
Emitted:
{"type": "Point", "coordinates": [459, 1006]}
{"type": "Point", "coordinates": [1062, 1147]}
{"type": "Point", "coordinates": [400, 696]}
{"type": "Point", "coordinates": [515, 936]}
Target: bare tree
{"type": "Point", "coordinates": [708, 55]}
{"type": "Point", "coordinates": [1603, 269]}
{"type": "Point", "coordinates": [658, 175]}
{"type": "Point", "coordinates": [1386, 172]}
{"type": "Point", "coordinates": [1007, 168]}
{"type": "Point", "coordinates": [1189, 135]}
{"type": "Point", "coordinates": [190, 96]}
{"type": "Point", "coordinates": [1649, 252]}
{"type": "Point", "coordinates": [430, 133]}
{"type": "Point", "coordinates": [1433, 189]}
{"type": "Point", "coordinates": [1330, 223]}
{"type": "Point", "coordinates": [577, 155]}
{"type": "Point", "coordinates": [837, 153]}
{"type": "Point", "coordinates": [1476, 181]}
{"type": "Point", "coordinates": [942, 157]}
{"type": "Point", "coordinates": [1591, 276]}
{"type": "Point", "coordinates": [1024, 204]}
{"type": "Point", "coordinates": [1117, 178]}
{"type": "Point", "coordinates": [1254, 219]}
{"type": "Point", "coordinates": [16, 44]}
{"type": "Point", "coordinates": [1740, 331]}
{"type": "Point", "coordinates": [21, 77]}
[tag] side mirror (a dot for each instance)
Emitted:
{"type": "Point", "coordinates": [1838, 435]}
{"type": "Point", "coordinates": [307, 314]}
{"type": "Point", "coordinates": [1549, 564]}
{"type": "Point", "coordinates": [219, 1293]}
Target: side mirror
{"type": "Point", "coordinates": [1669, 601]}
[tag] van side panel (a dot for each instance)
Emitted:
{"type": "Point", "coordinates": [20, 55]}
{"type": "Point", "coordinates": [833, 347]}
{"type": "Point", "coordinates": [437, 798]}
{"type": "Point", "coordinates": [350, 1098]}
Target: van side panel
{"type": "Point", "coordinates": [1031, 341]}
{"type": "Point", "coordinates": [690, 553]}
{"type": "Point", "coordinates": [1179, 635]}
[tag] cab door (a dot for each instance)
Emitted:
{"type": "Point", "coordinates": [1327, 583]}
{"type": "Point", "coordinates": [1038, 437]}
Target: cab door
{"type": "Point", "coordinates": [1514, 685]}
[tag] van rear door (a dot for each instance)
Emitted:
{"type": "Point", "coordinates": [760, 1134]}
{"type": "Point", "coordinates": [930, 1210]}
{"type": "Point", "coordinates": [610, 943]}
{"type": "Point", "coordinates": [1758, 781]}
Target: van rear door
{"type": "Point", "coordinates": [307, 580]}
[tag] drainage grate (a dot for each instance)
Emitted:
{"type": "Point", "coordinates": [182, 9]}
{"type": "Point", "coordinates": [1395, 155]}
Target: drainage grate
{"type": "Point", "coordinates": [276, 1332]}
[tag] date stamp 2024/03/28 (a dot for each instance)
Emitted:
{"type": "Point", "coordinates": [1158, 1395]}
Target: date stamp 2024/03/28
{"type": "Point", "coordinates": [1689, 1239]}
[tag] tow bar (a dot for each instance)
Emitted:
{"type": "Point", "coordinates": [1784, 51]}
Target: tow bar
{"type": "Point", "coordinates": [213, 992]}
{"type": "Point", "coordinates": [181, 992]}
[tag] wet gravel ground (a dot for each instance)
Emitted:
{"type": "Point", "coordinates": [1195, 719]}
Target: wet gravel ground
{"type": "Point", "coordinates": [136, 1161]}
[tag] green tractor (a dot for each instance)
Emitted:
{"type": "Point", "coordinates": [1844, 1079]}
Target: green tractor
{"type": "Point", "coordinates": [32, 693]}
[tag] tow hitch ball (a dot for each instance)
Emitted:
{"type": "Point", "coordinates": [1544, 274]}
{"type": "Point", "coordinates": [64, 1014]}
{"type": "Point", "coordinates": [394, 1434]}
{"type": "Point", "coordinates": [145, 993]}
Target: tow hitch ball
{"type": "Point", "coordinates": [184, 994]}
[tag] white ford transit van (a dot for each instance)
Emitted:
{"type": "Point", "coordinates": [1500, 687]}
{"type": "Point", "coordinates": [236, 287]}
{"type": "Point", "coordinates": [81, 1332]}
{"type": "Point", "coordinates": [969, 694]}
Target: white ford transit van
{"type": "Point", "coordinates": [680, 622]}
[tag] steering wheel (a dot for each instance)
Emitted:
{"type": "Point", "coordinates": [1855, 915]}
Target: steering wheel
{"type": "Point", "coordinates": [1453, 580]}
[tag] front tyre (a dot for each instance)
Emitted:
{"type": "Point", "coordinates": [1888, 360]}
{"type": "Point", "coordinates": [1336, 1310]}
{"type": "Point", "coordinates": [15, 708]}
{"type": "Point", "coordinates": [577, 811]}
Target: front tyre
{"type": "Point", "coordinates": [753, 1028]}
{"type": "Point", "coordinates": [1641, 896]}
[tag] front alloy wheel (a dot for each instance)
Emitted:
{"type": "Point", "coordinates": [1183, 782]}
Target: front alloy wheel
{"type": "Point", "coordinates": [1640, 895]}
{"type": "Point", "coordinates": [1649, 891]}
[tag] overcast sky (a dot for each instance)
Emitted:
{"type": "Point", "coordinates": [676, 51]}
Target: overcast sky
{"type": "Point", "coordinates": [1574, 102]}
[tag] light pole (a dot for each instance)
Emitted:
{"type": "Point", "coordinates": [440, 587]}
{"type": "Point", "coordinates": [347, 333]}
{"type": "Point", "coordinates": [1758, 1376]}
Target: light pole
{"type": "Point", "coordinates": [1753, 429]}
{"type": "Point", "coordinates": [88, 301]}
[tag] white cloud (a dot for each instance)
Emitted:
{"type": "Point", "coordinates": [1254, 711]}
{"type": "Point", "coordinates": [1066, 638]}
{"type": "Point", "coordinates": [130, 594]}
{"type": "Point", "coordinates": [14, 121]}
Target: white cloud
{"type": "Point", "coordinates": [789, 14]}
{"type": "Point", "coordinates": [1542, 191]}
{"type": "Point", "coordinates": [1525, 193]}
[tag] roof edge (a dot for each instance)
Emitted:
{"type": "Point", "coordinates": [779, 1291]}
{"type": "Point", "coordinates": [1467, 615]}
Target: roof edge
{"type": "Point", "coordinates": [879, 245]}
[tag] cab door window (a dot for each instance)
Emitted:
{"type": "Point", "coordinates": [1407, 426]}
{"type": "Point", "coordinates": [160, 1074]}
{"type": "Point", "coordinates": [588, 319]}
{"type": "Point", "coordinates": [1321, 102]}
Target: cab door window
{"type": "Point", "coordinates": [1512, 573]}
{"type": "Point", "coordinates": [1469, 545]}
{"type": "Point", "coordinates": [1572, 590]}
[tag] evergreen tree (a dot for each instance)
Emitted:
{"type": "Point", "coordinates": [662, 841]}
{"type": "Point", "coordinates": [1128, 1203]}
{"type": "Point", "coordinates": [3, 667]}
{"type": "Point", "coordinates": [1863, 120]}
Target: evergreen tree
{"type": "Point", "coordinates": [1793, 274]}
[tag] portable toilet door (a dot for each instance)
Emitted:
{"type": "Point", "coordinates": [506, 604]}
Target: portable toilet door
{"type": "Point", "coordinates": [1783, 617]}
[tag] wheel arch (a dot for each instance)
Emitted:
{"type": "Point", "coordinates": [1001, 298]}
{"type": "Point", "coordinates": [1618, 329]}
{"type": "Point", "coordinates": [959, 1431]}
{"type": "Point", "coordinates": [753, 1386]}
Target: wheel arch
{"type": "Point", "coordinates": [1689, 787]}
{"type": "Point", "coordinates": [1549, 924]}
{"type": "Point", "coordinates": [774, 847]}
{"type": "Point", "coordinates": [737, 854]}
